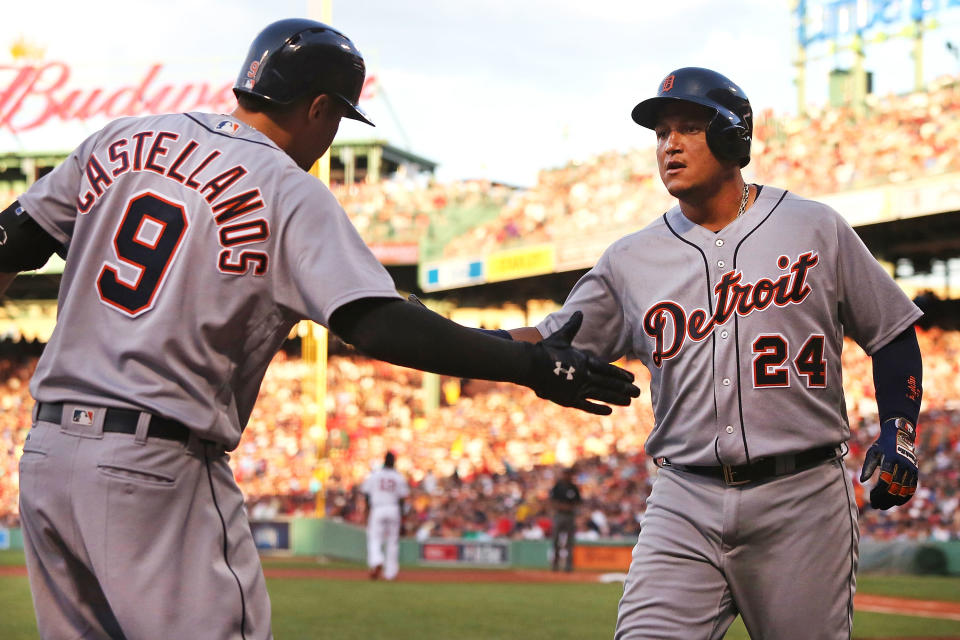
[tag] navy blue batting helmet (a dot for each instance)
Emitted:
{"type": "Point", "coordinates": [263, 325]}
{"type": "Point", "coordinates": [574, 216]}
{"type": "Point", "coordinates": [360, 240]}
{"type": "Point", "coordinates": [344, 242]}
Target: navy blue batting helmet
{"type": "Point", "coordinates": [730, 131]}
{"type": "Point", "coordinates": [292, 58]}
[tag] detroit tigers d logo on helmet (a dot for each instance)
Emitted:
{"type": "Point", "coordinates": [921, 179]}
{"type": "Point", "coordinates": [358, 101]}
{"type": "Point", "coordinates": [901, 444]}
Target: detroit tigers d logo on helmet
{"type": "Point", "coordinates": [292, 58]}
{"type": "Point", "coordinates": [730, 131]}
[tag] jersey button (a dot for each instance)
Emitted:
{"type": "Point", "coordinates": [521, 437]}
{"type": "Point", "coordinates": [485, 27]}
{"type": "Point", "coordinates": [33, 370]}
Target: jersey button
{"type": "Point", "coordinates": [719, 243]}
{"type": "Point", "coordinates": [721, 264]}
{"type": "Point", "coordinates": [729, 428]}
{"type": "Point", "coordinates": [724, 334]}
{"type": "Point", "coordinates": [726, 382]}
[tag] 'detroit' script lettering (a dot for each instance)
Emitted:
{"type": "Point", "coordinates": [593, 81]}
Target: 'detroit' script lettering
{"type": "Point", "coordinates": [669, 318]}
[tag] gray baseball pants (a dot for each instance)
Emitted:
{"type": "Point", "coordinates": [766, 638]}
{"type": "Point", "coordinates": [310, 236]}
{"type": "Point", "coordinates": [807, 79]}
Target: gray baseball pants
{"type": "Point", "coordinates": [136, 538]}
{"type": "Point", "coordinates": [782, 553]}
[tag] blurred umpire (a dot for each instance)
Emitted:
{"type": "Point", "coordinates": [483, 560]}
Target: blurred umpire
{"type": "Point", "coordinates": [565, 498]}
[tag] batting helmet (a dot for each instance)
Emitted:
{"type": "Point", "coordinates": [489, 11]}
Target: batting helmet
{"type": "Point", "coordinates": [291, 58]}
{"type": "Point", "coordinates": [729, 132]}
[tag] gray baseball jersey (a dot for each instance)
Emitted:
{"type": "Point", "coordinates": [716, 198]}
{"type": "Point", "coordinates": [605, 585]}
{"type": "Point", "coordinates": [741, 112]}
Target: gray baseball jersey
{"type": "Point", "coordinates": [199, 232]}
{"type": "Point", "coordinates": [741, 330]}
{"type": "Point", "coordinates": [194, 244]}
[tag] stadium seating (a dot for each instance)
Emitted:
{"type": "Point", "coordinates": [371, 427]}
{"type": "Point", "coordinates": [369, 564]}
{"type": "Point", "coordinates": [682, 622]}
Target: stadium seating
{"type": "Point", "coordinates": [483, 463]}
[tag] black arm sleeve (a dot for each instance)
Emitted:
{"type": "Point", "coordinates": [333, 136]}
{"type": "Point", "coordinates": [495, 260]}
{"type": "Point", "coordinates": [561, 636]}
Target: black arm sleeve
{"type": "Point", "coordinates": [898, 377]}
{"type": "Point", "coordinates": [412, 336]}
{"type": "Point", "coordinates": [24, 245]}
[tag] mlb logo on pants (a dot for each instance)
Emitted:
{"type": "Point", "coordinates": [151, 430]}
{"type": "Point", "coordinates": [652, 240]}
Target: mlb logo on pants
{"type": "Point", "coordinates": [82, 417]}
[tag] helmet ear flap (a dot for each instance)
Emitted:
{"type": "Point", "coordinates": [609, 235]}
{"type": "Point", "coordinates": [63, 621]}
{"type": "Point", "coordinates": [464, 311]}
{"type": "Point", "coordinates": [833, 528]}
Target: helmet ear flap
{"type": "Point", "coordinates": [729, 140]}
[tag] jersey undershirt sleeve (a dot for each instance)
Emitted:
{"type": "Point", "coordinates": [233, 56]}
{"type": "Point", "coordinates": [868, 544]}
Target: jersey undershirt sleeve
{"type": "Point", "coordinates": [873, 308]}
{"type": "Point", "coordinates": [898, 377]}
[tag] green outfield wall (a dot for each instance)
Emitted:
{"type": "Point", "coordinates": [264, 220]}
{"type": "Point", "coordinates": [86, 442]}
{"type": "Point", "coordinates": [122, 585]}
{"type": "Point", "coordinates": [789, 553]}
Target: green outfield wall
{"type": "Point", "coordinates": [348, 542]}
{"type": "Point", "coordinates": [342, 541]}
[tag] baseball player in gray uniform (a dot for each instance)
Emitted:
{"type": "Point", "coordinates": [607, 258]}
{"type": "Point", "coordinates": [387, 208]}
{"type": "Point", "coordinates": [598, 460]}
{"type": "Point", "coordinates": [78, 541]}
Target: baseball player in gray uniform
{"type": "Point", "coordinates": [737, 301]}
{"type": "Point", "coordinates": [193, 244]}
{"type": "Point", "coordinates": [384, 491]}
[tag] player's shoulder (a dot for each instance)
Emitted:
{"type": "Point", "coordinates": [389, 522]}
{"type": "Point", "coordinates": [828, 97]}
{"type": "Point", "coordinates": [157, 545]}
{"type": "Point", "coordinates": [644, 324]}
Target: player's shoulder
{"type": "Point", "coordinates": [117, 128]}
{"type": "Point", "coordinates": [653, 233]}
{"type": "Point", "coordinates": [298, 191]}
{"type": "Point", "coordinates": [152, 123]}
{"type": "Point", "coordinates": [795, 205]}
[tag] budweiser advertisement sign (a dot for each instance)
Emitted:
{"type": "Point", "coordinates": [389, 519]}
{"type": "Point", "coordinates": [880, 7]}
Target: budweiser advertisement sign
{"type": "Point", "coordinates": [34, 95]}
{"type": "Point", "coordinates": [40, 93]}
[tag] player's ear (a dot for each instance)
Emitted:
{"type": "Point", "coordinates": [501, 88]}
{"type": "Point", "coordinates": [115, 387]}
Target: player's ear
{"type": "Point", "coordinates": [324, 106]}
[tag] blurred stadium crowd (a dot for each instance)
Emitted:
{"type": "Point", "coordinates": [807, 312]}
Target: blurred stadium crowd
{"type": "Point", "coordinates": [824, 151]}
{"type": "Point", "coordinates": [483, 462]}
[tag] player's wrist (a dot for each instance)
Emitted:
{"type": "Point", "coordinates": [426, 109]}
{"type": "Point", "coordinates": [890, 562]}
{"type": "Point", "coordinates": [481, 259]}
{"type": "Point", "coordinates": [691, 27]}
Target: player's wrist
{"type": "Point", "coordinates": [496, 333]}
{"type": "Point", "coordinates": [900, 427]}
{"type": "Point", "coordinates": [530, 359]}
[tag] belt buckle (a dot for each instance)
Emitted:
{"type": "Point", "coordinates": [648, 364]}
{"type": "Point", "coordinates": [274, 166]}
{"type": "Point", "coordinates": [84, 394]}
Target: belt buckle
{"type": "Point", "coordinates": [729, 476]}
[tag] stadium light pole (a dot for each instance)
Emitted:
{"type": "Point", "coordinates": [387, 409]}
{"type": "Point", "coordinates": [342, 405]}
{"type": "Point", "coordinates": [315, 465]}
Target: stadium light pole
{"type": "Point", "coordinates": [918, 83]}
{"type": "Point", "coordinates": [800, 62]}
{"type": "Point", "coordinates": [859, 75]}
{"type": "Point", "coordinates": [316, 335]}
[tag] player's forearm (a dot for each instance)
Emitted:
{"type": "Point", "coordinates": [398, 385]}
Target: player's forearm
{"type": "Point", "coordinates": [898, 377]}
{"type": "Point", "coordinates": [412, 336]}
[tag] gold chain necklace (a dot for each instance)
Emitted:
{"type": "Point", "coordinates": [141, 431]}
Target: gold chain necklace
{"type": "Point", "coordinates": [743, 200]}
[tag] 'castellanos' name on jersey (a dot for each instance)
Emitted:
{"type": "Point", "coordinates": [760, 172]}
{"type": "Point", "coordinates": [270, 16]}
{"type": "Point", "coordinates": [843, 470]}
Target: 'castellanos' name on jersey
{"type": "Point", "coordinates": [145, 150]}
{"type": "Point", "coordinates": [669, 318]}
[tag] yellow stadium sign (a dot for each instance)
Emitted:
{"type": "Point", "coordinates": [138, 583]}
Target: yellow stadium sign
{"type": "Point", "coordinates": [520, 263]}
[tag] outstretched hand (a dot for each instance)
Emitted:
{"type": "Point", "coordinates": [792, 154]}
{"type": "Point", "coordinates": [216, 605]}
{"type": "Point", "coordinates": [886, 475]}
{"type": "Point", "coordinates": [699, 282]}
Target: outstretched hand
{"type": "Point", "coordinates": [894, 453]}
{"type": "Point", "coordinates": [572, 378]}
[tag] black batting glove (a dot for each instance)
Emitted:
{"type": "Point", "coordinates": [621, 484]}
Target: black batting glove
{"type": "Point", "coordinates": [894, 453]}
{"type": "Point", "coordinates": [572, 378]}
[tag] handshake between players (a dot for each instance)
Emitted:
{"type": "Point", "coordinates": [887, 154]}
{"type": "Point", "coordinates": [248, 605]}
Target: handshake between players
{"type": "Point", "coordinates": [552, 367]}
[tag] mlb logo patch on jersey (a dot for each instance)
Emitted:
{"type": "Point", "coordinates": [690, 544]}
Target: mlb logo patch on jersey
{"type": "Point", "coordinates": [228, 126]}
{"type": "Point", "coordinates": [83, 417]}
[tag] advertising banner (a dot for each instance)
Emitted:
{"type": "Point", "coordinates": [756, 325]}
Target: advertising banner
{"type": "Point", "coordinates": [520, 263]}
{"type": "Point", "coordinates": [488, 553]}
{"type": "Point", "coordinates": [609, 557]}
{"type": "Point", "coordinates": [271, 536]}
{"type": "Point", "coordinates": [450, 274]}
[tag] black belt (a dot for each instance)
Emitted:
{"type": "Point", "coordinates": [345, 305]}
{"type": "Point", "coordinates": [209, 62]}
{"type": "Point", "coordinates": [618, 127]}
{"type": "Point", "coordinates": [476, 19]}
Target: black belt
{"type": "Point", "coordinates": [761, 469]}
{"type": "Point", "coordinates": [123, 421]}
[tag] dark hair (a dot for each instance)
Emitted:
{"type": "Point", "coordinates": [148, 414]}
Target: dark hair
{"type": "Point", "coordinates": [256, 104]}
{"type": "Point", "coordinates": [389, 459]}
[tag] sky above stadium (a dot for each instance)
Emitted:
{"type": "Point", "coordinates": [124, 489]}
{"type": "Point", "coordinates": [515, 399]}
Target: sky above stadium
{"type": "Point", "coordinates": [495, 89]}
